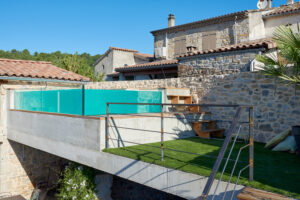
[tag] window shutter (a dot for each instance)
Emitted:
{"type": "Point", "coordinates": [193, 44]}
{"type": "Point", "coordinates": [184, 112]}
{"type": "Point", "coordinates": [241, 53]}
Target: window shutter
{"type": "Point", "coordinates": [180, 45]}
{"type": "Point", "coordinates": [209, 40]}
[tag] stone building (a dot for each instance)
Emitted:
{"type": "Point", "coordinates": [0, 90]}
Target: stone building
{"type": "Point", "coordinates": [118, 57]}
{"type": "Point", "coordinates": [225, 30]}
{"type": "Point", "coordinates": [235, 31]}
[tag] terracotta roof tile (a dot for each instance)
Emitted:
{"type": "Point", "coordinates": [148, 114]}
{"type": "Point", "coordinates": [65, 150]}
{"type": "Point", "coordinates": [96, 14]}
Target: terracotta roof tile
{"type": "Point", "coordinates": [122, 49]}
{"type": "Point", "coordinates": [146, 55]}
{"type": "Point", "coordinates": [148, 65]}
{"type": "Point", "coordinates": [113, 48]}
{"type": "Point", "coordinates": [267, 43]}
{"type": "Point", "coordinates": [36, 69]}
{"type": "Point", "coordinates": [113, 74]}
{"type": "Point", "coordinates": [285, 9]}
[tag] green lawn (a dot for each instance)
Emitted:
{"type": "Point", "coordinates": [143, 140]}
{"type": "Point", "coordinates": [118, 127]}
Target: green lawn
{"type": "Point", "coordinates": [273, 171]}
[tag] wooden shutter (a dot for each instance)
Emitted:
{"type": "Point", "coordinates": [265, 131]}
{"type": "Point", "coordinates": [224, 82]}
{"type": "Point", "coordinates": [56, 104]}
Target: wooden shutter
{"type": "Point", "coordinates": [180, 45]}
{"type": "Point", "coordinates": [209, 40]}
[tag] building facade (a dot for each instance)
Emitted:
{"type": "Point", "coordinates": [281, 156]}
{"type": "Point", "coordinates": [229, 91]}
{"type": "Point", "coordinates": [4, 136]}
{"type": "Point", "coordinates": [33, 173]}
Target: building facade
{"type": "Point", "coordinates": [237, 34]}
{"type": "Point", "coordinates": [118, 57]}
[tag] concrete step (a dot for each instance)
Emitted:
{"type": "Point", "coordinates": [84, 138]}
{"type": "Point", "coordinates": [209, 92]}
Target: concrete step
{"type": "Point", "coordinates": [249, 193]}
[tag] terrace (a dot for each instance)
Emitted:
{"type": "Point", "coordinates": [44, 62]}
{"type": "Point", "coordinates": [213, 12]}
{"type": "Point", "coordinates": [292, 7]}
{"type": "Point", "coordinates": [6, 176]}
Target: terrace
{"type": "Point", "coordinates": [154, 129]}
{"type": "Point", "coordinates": [273, 171]}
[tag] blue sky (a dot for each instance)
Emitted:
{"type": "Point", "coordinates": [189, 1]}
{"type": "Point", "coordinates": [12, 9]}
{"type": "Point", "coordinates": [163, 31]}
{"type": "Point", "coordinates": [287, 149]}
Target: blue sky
{"type": "Point", "coordinates": [93, 25]}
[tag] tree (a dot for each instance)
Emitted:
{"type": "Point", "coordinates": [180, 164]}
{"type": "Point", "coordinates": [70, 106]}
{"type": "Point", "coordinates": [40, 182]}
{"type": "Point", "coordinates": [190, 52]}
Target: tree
{"type": "Point", "coordinates": [78, 63]}
{"type": "Point", "coordinates": [286, 67]}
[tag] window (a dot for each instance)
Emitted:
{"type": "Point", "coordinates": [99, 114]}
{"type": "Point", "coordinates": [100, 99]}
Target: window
{"type": "Point", "coordinates": [209, 40]}
{"type": "Point", "coordinates": [180, 45]}
{"type": "Point", "coordinates": [115, 78]}
{"type": "Point", "coordinates": [129, 78]}
{"type": "Point", "coordinates": [103, 67]}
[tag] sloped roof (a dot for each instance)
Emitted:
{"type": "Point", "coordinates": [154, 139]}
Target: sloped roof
{"type": "Point", "coordinates": [136, 52]}
{"type": "Point", "coordinates": [113, 74]}
{"type": "Point", "coordinates": [122, 49]}
{"type": "Point", "coordinates": [284, 10]}
{"type": "Point", "coordinates": [148, 65]}
{"type": "Point", "coordinates": [262, 43]}
{"type": "Point", "coordinates": [36, 69]}
{"type": "Point", "coordinates": [205, 22]}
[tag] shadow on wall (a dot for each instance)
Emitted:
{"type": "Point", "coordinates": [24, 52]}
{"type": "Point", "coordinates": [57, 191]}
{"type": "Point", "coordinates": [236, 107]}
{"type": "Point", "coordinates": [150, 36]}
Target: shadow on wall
{"type": "Point", "coordinates": [31, 168]}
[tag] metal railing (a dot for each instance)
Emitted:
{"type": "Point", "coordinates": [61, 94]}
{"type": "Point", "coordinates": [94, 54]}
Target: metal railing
{"type": "Point", "coordinates": [223, 149]}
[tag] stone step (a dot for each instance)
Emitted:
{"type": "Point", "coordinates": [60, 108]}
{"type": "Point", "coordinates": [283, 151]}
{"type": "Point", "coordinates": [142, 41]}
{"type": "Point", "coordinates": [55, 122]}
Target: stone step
{"type": "Point", "coordinates": [254, 194]}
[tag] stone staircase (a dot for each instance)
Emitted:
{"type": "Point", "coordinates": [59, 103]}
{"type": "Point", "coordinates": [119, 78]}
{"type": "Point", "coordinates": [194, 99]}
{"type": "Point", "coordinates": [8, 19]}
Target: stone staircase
{"type": "Point", "coordinates": [207, 129]}
{"type": "Point", "coordinates": [203, 128]}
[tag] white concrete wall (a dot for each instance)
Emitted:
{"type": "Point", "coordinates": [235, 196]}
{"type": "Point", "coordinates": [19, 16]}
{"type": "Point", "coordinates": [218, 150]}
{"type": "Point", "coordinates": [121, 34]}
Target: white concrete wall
{"type": "Point", "coordinates": [272, 23]}
{"type": "Point", "coordinates": [59, 135]}
{"type": "Point", "coordinates": [120, 58]}
{"type": "Point", "coordinates": [256, 26]}
{"type": "Point", "coordinates": [148, 129]}
{"type": "Point", "coordinates": [74, 131]}
{"type": "Point", "coordinates": [90, 133]}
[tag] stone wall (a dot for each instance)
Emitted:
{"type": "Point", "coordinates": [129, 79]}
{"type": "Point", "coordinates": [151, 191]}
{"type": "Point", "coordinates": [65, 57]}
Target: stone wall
{"type": "Point", "coordinates": [23, 168]}
{"type": "Point", "coordinates": [224, 33]}
{"type": "Point", "coordinates": [217, 63]}
{"type": "Point", "coordinates": [277, 107]}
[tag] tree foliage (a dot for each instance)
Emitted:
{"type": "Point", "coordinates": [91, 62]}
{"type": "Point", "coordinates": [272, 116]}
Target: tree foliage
{"type": "Point", "coordinates": [78, 63]}
{"type": "Point", "coordinates": [286, 66]}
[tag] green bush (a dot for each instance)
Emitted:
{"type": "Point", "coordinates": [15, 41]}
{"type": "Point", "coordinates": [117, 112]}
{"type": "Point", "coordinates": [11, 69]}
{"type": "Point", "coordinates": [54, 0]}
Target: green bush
{"type": "Point", "coordinates": [77, 183]}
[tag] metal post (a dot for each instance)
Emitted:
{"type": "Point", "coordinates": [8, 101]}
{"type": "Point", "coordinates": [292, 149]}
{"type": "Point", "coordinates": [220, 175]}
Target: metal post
{"type": "Point", "coordinates": [162, 131]}
{"type": "Point", "coordinates": [220, 156]}
{"type": "Point", "coordinates": [82, 89]}
{"type": "Point", "coordinates": [107, 127]}
{"type": "Point", "coordinates": [251, 144]}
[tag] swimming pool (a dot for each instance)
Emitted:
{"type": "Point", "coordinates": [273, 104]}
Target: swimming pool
{"type": "Point", "coordinates": [70, 101]}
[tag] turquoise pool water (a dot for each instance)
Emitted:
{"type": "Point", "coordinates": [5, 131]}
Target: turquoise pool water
{"type": "Point", "coordinates": [70, 101]}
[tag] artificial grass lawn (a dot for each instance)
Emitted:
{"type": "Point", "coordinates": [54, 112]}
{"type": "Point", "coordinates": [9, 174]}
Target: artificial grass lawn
{"type": "Point", "coordinates": [277, 172]}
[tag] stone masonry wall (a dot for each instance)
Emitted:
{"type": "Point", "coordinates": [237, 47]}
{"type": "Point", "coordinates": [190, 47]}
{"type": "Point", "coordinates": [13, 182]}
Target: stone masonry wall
{"type": "Point", "coordinates": [277, 107]}
{"type": "Point", "coordinates": [193, 36]}
{"type": "Point", "coordinates": [218, 63]}
{"type": "Point", "coordinates": [23, 168]}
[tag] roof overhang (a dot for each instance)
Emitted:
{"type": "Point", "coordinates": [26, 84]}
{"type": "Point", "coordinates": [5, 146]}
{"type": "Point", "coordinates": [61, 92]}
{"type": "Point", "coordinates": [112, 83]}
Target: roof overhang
{"type": "Point", "coordinates": [168, 70]}
{"type": "Point", "coordinates": [15, 78]}
{"type": "Point", "coordinates": [205, 22]}
{"type": "Point", "coordinates": [142, 68]}
{"type": "Point", "coordinates": [281, 14]}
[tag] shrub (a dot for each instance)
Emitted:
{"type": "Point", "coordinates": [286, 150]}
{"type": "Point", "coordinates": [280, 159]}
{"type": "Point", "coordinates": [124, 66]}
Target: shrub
{"type": "Point", "coordinates": [77, 182]}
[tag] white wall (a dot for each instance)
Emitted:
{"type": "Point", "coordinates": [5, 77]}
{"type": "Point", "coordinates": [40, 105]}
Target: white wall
{"type": "Point", "coordinates": [272, 23]}
{"type": "Point", "coordinates": [120, 58]}
{"type": "Point", "coordinates": [256, 26]}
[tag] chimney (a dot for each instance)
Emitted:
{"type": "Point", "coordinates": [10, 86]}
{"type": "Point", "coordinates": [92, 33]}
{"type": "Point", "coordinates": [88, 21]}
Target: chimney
{"type": "Point", "coordinates": [269, 3]}
{"type": "Point", "coordinates": [289, 2]}
{"type": "Point", "coordinates": [171, 20]}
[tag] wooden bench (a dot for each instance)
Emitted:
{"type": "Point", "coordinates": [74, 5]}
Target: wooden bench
{"type": "Point", "coordinates": [254, 194]}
